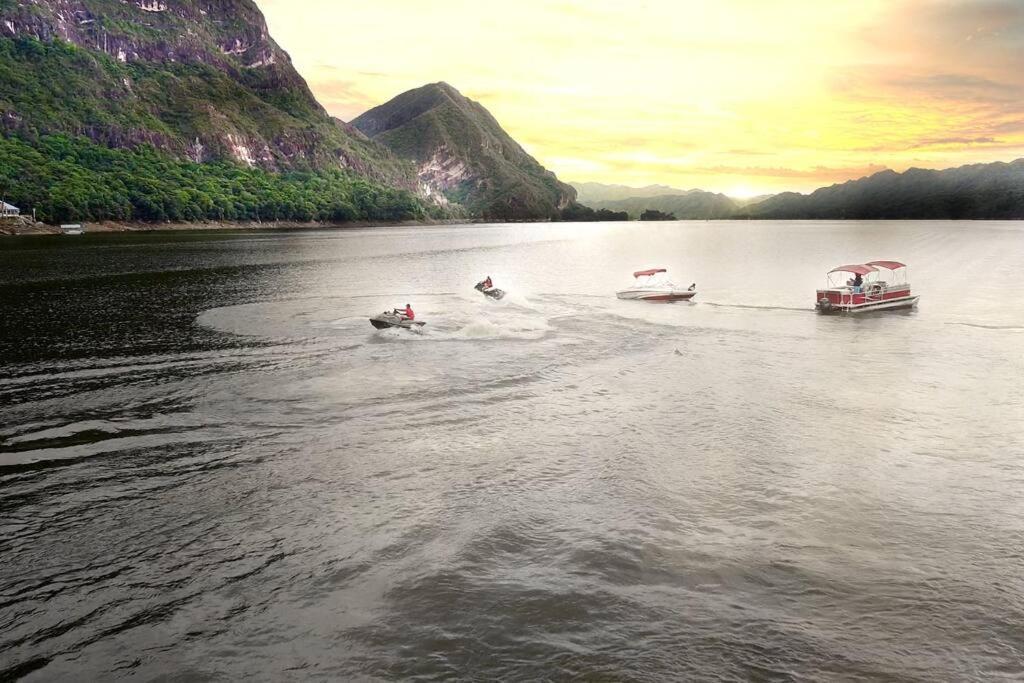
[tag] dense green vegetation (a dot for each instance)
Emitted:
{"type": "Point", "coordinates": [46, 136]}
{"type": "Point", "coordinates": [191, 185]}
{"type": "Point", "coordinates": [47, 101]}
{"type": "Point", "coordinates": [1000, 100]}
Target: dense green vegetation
{"type": "Point", "coordinates": [69, 179]}
{"type": "Point", "coordinates": [189, 109]}
{"type": "Point", "coordinates": [578, 213]}
{"type": "Point", "coordinates": [655, 215]}
{"type": "Point", "coordinates": [56, 86]}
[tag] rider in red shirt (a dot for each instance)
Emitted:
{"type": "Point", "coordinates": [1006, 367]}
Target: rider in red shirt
{"type": "Point", "coordinates": [408, 314]}
{"type": "Point", "coordinates": [487, 283]}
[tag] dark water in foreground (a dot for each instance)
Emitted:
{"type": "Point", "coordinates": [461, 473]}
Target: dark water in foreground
{"type": "Point", "coordinates": [211, 467]}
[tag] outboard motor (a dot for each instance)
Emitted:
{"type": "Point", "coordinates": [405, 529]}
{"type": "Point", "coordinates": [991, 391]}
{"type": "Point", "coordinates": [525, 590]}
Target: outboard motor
{"type": "Point", "coordinates": [824, 305]}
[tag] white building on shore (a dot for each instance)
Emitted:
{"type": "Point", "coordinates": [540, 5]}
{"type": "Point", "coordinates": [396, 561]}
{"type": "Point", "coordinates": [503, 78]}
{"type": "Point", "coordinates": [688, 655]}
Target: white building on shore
{"type": "Point", "coordinates": [7, 210]}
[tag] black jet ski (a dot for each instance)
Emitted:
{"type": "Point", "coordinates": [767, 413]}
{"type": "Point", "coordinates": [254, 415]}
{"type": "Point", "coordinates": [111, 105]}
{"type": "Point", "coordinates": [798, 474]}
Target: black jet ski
{"type": "Point", "coordinates": [389, 319]}
{"type": "Point", "coordinates": [493, 292]}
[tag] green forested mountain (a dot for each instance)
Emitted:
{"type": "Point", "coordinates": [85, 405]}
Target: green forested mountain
{"type": "Point", "coordinates": [979, 191]}
{"type": "Point", "coordinates": [463, 154]}
{"type": "Point", "coordinates": [175, 85]}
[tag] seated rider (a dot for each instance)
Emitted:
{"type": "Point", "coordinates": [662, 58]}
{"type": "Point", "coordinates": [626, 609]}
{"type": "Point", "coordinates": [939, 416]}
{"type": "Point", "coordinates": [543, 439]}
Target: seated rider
{"type": "Point", "coordinates": [407, 313]}
{"type": "Point", "coordinates": [487, 283]}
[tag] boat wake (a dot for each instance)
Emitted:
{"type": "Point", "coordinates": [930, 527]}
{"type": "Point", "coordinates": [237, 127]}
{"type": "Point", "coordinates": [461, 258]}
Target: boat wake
{"type": "Point", "coordinates": [447, 319]}
{"type": "Point", "coordinates": [476, 328]}
{"type": "Point", "coordinates": [801, 309]}
{"type": "Point", "coordinates": [1001, 328]}
{"type": "Point", "coordinates": [524, 328]}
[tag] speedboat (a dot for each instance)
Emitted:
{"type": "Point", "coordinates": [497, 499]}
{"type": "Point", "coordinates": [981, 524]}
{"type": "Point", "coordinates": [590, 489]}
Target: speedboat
{"type": "Point", "coordinates": [883, 287]}
{"type": "Point", "coordinates": [389, 319]}
{"type": "Point", "coordinates": [654, 285]}
{"type": "Point", "coordinates": [492, 293]}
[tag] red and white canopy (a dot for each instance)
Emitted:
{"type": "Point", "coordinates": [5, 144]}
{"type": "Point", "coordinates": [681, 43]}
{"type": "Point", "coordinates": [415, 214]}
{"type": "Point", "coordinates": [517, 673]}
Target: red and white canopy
{"type": "Point", "coordinates": [888, 265]}
{"type": "Point", "coordinates": [648, 273]}
{"type": "Point", "coordinates": [856, 269]}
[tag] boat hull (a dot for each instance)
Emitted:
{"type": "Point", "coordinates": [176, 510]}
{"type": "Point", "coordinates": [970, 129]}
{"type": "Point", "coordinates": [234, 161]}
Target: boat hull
{"type": "Point", "coordinates": [896, 304]}
{"type": "Point", "coordinates": [664, 297]}
{"type": "Point", "coordinates": [383, 322]}
{"type": "Point", "coordinates": [496, 294]}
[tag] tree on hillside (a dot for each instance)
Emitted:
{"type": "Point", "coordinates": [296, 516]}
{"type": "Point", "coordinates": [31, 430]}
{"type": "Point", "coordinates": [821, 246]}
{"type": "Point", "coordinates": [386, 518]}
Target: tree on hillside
{"type": "Point", "coordinates": [655, 215]}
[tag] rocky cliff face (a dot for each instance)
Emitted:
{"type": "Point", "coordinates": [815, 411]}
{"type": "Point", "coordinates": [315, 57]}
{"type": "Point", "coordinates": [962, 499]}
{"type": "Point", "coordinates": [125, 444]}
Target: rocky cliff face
{"type": "Point", "coordinates": [463, 155]}
{"type": "Point", "coordinates": [201, 79]}
{"type": "Point", "coordinates": [227, 34]}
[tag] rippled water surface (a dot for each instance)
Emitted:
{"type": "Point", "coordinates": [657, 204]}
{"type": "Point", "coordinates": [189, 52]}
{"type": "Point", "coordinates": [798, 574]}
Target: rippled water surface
{"type": "Point", "coordinates": [212, 467]}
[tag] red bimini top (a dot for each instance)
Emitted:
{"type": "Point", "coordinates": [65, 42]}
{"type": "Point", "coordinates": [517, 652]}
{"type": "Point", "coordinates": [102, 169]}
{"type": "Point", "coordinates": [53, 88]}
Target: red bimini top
{"type": "Point", "coordinates": [648, 273]}
{"type": "Point", "coordinates": [888, 265]}
{"type": "Point", "coordinates": [856, 269]}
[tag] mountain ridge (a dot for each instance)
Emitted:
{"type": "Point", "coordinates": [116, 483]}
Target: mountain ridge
{"type": "Point", "coordinates": [692, 205]}
{"type": "Point", "coordinates": [602, 192]}
{"type": "Point", "coordinates": [993, 190]}
{"type": "Point", "coordinates": [463, 155]}
{"type": "Point", "coordinates": [200, 80]}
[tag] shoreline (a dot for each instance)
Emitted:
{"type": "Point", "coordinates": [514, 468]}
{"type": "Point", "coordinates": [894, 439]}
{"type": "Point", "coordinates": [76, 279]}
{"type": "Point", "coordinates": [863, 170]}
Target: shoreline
{"type": "Point", "coordinates": [26, 228]}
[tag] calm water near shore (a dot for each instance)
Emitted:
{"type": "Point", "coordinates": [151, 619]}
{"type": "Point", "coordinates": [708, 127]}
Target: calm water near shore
{"type": "Point", "coordinates": [212, 466]}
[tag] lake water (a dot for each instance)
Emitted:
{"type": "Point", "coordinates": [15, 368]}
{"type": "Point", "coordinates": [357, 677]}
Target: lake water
{"type": "Point", "coordinates": [211, 465]}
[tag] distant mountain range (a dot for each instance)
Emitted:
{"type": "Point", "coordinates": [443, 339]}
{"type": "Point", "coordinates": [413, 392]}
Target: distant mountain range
{"type": "Point", "coordinates": [684, 205]}
{"type": "Point", "coordinates": [595, 194]}
{"type": "Point", "coordinates": [463, 155]}
{"type": "Point", "coordinates": [978, 191]}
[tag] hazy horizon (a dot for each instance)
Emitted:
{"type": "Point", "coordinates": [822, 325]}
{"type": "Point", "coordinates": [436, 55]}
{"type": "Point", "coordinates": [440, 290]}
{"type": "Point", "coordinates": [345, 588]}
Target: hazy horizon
{"type": "Point", "coordinates": [739, 98]}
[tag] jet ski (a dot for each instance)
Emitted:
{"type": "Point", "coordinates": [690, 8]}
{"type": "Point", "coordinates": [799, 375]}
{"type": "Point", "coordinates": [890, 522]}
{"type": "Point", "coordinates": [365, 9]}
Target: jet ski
{"type": "Point", "coordinates": [389, 319]}
{"type": "Point", "coordinates": [493, 292]}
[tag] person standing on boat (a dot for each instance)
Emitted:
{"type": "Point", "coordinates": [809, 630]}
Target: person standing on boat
{"type": "Point", "coordinates": [858, 282]}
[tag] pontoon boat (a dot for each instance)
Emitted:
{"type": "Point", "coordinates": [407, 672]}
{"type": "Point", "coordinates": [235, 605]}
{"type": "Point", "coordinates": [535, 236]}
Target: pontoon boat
{"type": "Point", "coordinates": [883, 287]}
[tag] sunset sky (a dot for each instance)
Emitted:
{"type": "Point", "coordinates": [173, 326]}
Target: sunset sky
{"type": "Point", "coordinates": [739, 96]}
